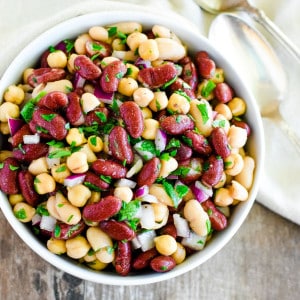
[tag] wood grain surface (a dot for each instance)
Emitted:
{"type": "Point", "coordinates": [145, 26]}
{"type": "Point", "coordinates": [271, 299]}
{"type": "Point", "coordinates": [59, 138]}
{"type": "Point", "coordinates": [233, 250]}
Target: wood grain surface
{"type": "Point", "coordinates": [262, 261]}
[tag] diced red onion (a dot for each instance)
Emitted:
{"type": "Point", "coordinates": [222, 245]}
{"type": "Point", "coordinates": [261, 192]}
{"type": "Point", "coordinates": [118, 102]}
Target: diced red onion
{"type": "Point", "coordinates": [48, 223]}
{"type": "Point", "coordinates": [160, 140]}
{"type": "Point", "coordinates": [125, 182]}
{"type": "Point", "coordinates": [135, 168]}
{"type": "Point", "coordinates": [201, 191]}
{"type": "Point", "coordinates": [172, 177]}
{"type": "Point", "coordinates": [79, 81]}
{"type": "Point", "coordinates": [14, 125]}
{"type": "Point", "coordinates": [36, 219]}
{"type": "Point", "coordinates": [73, 180]}
{"type": "Point", "coordinates": [103, 96]}
{"type": "Point", "coordinates": [31, 139]}
{"type": "Point", "coordinates": [136, 243]}
{"type": "Point", "coordinates": [194, 241]}
{"type": "Point", "coordinates": [182, 226]}
{"type": "Point", "coordinates": [61, 46]}
{"type": "Point", "coordinates": [146, 239]}
{"type": "Point", "coordinates": [147, 219]}
{"type": "Point", "coordinates": [142, 191]}
{"type": "Point", "coordinates": [142, 63]}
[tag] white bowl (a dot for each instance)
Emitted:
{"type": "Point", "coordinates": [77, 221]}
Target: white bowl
{"type": "Point", "coordinates": [70, 29]}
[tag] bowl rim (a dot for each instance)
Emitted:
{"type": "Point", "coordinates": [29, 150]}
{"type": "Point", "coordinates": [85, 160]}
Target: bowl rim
{"type": "Point", "coordinates": [79, 24]}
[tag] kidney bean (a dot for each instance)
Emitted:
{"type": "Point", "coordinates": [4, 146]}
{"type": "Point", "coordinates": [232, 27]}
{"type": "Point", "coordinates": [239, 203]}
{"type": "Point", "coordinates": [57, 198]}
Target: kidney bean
{"type": "Point", "coordinates": [44, 75]}
{"type": "Point", "coordinates": [17, 138]}
{"type": "Point", "coordinates": [169, 229]}
{"type": "Point", "coordinates": [156, 77]}
{"type": "Point", "coordinates": [9, 175]}
{"type": "Point", "coordinates": [219, 142]}
{"type": "Point", "coordinates": [35, 128]}
{"type": "Point", "coordinates": [149, 172]}
{"type": "Point", "coordinates": [50, 121]}
{"type": "Point", "coordinates": [213, 170]}
{"type": "Point", "coordinates": [119, 145]}
{"type": "Point", "coordinates": [99, 115]}
{"type": "Point", "coordinates": [29, 152]}
{"type": "Point", "coordinates": [86, 68]}
{"type": "Point", "coordinates": [177, 124]}
{"type": "Point", "coordinates": [54, 101]}
{"type": "Point", "coordinates": [192, 169]}
{"type": "Point", "coordinates": [95, 182]}
{"type": "Point", "coordinates": [66, 231]}
{"type": "Point", "coordinates": [111, 76]}
{"type": "Point", "coordinates": [189, 72]}
{"type": "Point", "coordinates": [217, 218]}
{"type": "Point", "coordinates": [183, 152]}
{"type": "Point", "coordinates": [223, 92]}
{"type": "Point", "coordinates": [133, 118]}
{"type": "Point", "coordinates": [110, 168]}
{"type": "Point", "coordinates": [205, 66]}
{"type": "Point", "coordinates": [123, 258]}
{"type": "Point", "coordinates": [162, 263]}
{"type": "Point", "coordinates": [74, 111]}
{"type": "Point", "coordinates": [242, 124]}
{"type": "Point", "coordinates": [180, 84]}
{"type": "Point", "coordinates": [25, 179]}
{"type": "Point", "coordinates": [198, 142]}
{"type": "Point", "coordinates": [119, 231]}
{"type": "Point", "coordinates": [142, 261]}
{"type": "Point", "coordinates": [100, 211]}
{"type": "Point", "coordinates": [43, 59]}
{"type": "Point", "coordinates": [98, 49]}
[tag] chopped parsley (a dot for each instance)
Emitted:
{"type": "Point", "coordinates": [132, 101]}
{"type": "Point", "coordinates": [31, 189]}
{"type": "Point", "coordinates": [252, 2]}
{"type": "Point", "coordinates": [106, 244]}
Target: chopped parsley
{"type": "Point", "coordinates": [48, 117]}
{"type": "Point", "coordinates": [204, 113]}
{"type": "Point", "coordinates": [13, 168]}
{"type": "Point", "coordinates": [42, 210]}
{"type": "Point", "coordinates": [208, 88]}
{"type": "Point", "coordinates": [169, 189]}
{"type": "Point", "coordinates": [21, 214]}
{"type": "Point", "coordinates": [128, 210]}
{"type": "Point", "coordinates": [59, 153]}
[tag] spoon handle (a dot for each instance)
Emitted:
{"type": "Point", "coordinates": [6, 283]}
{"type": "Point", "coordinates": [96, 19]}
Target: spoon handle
{"type": "Point", "coordinates": [262, 19]}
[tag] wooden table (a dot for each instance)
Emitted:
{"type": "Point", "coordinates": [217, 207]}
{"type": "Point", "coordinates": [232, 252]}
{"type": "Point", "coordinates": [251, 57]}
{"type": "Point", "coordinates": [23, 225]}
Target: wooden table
{"type": "Point", "coordinates": [262, 261]}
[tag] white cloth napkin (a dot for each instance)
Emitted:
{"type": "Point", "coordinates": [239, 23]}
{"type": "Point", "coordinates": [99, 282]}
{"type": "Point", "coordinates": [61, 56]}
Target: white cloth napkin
{"type": "Point", "coordinates": [22, 21]}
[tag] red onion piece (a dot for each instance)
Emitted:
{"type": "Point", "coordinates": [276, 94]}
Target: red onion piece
{"type": "Point", "coordinates": [36, 219]}
{"type": "Point", "coordinates": [31, 138]}
{"type": "Point", "coordinates": [103, 96]}
{"type": "Point", "coordinates": [201, 191]}
{"type": "Point", "coordinates": [78, 81]}
{"type": "Point", "coordinates": [142, 191]}
{"type": "Point", "coordinates": [14, 125]}
{"type": "Point", "coordinates": [47, 223]}
{"type": "Point", "coordinates": [142, 64]}
{"type": "Point", "coordinates": [182, 226]}
{"type": "Point", "coordinates": [73, 180]}
{"type": "Point", "coordinates": [160, 140]}
{"type": "Point", "coordinates": [146, 239]}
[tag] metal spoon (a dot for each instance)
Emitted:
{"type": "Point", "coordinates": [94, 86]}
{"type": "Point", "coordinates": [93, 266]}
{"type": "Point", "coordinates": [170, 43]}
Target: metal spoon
{"type": "Point", "coordinates": [217, 6]}
{"type": "Point", "coordinates": [254, 58]}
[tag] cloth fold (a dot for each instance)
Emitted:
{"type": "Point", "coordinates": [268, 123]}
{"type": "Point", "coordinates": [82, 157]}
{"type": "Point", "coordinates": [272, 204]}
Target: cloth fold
{"type": "Point", "coordinates": [279, 187]}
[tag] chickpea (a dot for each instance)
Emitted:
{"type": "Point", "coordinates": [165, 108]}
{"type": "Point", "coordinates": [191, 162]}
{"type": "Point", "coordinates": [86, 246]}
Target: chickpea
{"type": "Point", "coordinates": [90, 256]}
{"type": "Point", "coordinates": [178, 104]}
{"type": "Point", "coordinates": [237, 136]}
{"type": "Point", "coordinates": [234, 164]}
{"type": "Point", "coordinates": [165, 244]}
{"type": "Point", "coordinates": [90, 155]}
{"type": "Point", "coordinates": [117, 44]}
{"type": "Point", "coordinates": [4, 128]}
{"type": "Point", "coordinates": [134, 40]}
{"type": "Point", "coordinates": [237, 191]}
{"type": "Point", "coordinates": [167, 165]}
{"type": "Point", "coordinates": [38, 166]}
{"type": "Point", "coordinates": [27, 72]}
{"type": "Point", "coordinates": [9, 110]}
{"type": "Point", "coordinates": [159, 102]}
{"type": "Point", "coordinates": [101, 243]}
{"type": "Point", "coordinates": [70, 63]}
{"type": "Point", "coordinates": [75, 137]}
{"type": "Point", "coordinates": [150, 129]}
{"type": "Point", "coordinates": [97, 265]}
{"type": "Point", "coordinates": [146, 112]}
{"type": "Point", "coordinates": [78, 195]}
{"type": "Point", "coordinates": [124, 193]}
{"type": "Point", "coordinates": [132, 71]}
{"type": "Point", "coordinates": [95, 197]}
{"type": "Point", "coordinates": [95, 143]}
{"type": "Point", "coordinates": [197, 217]}
{"type": "Point", "coordinates": [15, 198]}
{"type": "Point", "coordinates": [223, 197]}
{"type": "Point", "coordinates": [108, 60]}
{"type": "Point", "coordinates": [205, 90]}
{"type": "Point", "coordinates": [98, 33]}
{"type": "Point", "coordinates": [245, 177]}
{"type": "Point", "coordinates": [14, 94]}
{"type": "Point", "coordinates": [158, 191]}
{"type": "Point", "coordinates": [77, 162]}
{"type": "Point", "coordinates": [143, 96]}
{"type": "Point", "coordinates": [60, 173]}
{"type": "Point", "coordinates": [24, 212]}
{"type": "Point", "coordinates": [67, 212]}
{"type": "Point", "coordinates": [127, 86]}
{"type": "Point", "coordinates": [218, 76]}
{"type": "Point", "coordinates": [148, 50]}
{"type": "Point", "coordinates": [89, 102]}
{"type": "Point", "coordinates": [5, 154]}
{"type": "Point", "coordinates": [77, 247]}
{"type": "Point", "coordinates": [237, 106]}
{"type": "Point", "coordinates": [44, 183]}
{"type": "Point", "coordinates": [56, 246]}
{"type": "Point", "coordinates": [57, 59]}
{"type": "Point", "coordinates": [80, 42]}
{"type": "Point", "coordinates": [180, 254]}
{"type": "Point", "coordinates": [224, 110]}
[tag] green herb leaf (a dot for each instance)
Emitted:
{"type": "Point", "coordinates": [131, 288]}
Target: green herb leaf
{"type": "Point", "coordinates": [208, 88]}
{"type": "Point", "coordinates": [169, 83]}
{"type": "Point", "coordinates": [181, 190]}
{"type": "Point", "coordinates": [106, 179]}
{"type": "Point", "coordinates": [51, 49]}
{"type": "Point", "coordinates": [93, 140]}
{"type": "Point", "coordinates": [173, 143]}
{"type": "Point", "coordinates": [172, 193]}
{"type": "Point", "coordinates": [181, 171]}
{"type": "Point", "coordinates": [41, 129]}
{"type": "Point", "coordinates": [204, 113]}
{"type": "Point", "coordinates": [112, 31]}
{"type": "Point", "coordinates": [48, 117]}
{"type": "Point", "coordinates": [101, 116]}
{"type": "Point", "coordinates": [13, 168]}
{"type": "Point", "coordinates": [187, 140]}
{"type": "Point", "coordinates": [92, 187]}
{"type": "Point", "coordinates": [42, 210]}
{"type": "Point", "coordinates": [69, 45]}
{"type": "Point", "coordinates": [1, 165]}
{"type": "Point", "coordinates": [21, 214]}
{"type": "Point", "coordinates": [59, 153]}
{"type": "Point", "coordinates": [57, 231]}
{"type": "Point", "coordinates": [27, 111]}
{"type": "Point", "coordinates": [219, 123]}
{"type": "Point", "coordinates": [56, 144]}
{"type": "Point", "coordinates": [60, 169]}
{"type": "Point", "coordinates": [128, 210]}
